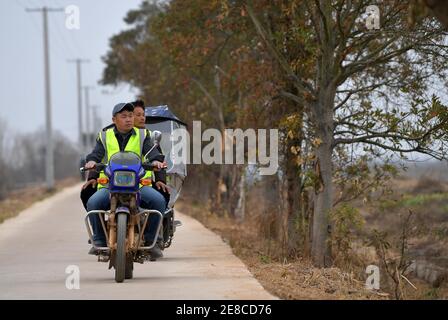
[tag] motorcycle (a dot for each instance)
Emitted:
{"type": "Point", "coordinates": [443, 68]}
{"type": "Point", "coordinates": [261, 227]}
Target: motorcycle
{"type": "Point", "coordinates": [125, 222]}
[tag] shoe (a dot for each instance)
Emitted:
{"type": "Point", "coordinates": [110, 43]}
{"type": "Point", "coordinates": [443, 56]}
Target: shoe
{"type": "Point", "coordinates": [161, 243]}
{"type": "Point", "coordinates": [100, 243]}
{"type": "Point", "coordinates": [94, 251]}
{"type": "Point", "coordinates": [155, 252]}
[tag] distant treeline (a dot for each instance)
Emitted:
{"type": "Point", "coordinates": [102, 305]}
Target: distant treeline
{"type": "Point", "coordinates": [22, 158]}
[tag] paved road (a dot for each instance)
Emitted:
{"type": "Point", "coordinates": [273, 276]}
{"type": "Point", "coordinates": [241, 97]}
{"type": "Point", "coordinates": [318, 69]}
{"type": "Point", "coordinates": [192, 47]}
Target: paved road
{"type": "Point", "coordinates": [37, 246]}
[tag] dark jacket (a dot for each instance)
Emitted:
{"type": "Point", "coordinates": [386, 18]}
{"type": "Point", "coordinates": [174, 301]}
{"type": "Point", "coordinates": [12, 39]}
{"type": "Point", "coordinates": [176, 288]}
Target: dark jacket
{"type": "Point", "coordinates": [156, 154]}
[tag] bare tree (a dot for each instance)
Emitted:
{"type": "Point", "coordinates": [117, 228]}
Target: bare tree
{"type": "Point", "coordinates": [361, 88]}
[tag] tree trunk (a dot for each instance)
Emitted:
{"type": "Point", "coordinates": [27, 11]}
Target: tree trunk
{"type": "Point", "coordinates": [323, 118]}
{"type": "Point", "coordinates": [240, 210]}
{"type": "Point", "coordinates": [222, 189]}
{"type": "Point", "coordinates": [323, 200]}
{"type": "Point", "coordinates": [439, 8]}
{"type": "Point", "coordinates": [320, 250]}
{"type": "Point", "coordinates": [291, 214]}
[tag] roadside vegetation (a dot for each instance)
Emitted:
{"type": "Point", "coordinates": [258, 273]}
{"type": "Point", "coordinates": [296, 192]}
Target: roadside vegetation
{"type": "Point", "coordinates": [352, 105]}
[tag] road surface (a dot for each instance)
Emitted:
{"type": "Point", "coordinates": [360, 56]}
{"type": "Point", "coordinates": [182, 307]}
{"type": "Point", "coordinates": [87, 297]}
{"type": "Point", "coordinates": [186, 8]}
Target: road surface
{"type": "Point", "coordinates": [37, 246]}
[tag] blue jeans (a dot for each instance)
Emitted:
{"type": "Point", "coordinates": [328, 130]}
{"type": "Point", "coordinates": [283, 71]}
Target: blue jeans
{"type": "Point", "coordinates": [150, 199]}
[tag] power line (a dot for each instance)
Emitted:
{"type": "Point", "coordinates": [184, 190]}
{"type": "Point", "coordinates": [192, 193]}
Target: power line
{"type": "Point", "coordinates": [74, 40]}
{"type": "Point", "coordinates": [61, 38]}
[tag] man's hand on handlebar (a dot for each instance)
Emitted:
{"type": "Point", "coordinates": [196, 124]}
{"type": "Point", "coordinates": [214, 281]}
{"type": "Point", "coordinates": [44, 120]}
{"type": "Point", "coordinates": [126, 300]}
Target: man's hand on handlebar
{"type": "Point", "coordinates": [157, 165]}
{"type": "Point", "coordinates": [90, 165]}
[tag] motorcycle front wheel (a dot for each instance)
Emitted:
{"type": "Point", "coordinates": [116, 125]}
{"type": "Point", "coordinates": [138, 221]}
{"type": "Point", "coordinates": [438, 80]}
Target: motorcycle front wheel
{"type": "Point", "coordinates": [120, 257]}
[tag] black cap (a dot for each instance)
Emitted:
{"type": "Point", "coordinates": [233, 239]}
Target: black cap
{"type": "Point", "coordinates": [122, 106]}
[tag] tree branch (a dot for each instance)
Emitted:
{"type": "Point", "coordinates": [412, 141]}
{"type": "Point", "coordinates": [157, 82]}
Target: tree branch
{"type": "Point", "coordinates": [417, 148]}
{"type": "Point", "coordinates": [293, 97]}
{"type": "Point", "coordinates": [301, 85]}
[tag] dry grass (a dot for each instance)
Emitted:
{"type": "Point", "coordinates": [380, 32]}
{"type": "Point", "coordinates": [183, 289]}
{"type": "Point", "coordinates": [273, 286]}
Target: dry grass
{"type": "Point", "coordinates": [253, 242]}
{"type": "Point", "coordinates": [19, 200]}
{"type": "Point", "coordinates": [295, 279]}
{"type": "Point", "coordinates": [427, 198]}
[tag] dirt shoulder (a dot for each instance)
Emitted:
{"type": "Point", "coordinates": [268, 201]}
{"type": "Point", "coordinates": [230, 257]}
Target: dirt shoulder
{"type": "Point", "coordinates": [294, 280]}
{"type": "Point", "coordinates": [19, 200]}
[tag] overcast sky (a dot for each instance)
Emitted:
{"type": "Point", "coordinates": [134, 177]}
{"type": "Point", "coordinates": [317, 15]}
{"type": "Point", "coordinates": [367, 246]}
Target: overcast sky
{"type": "Point", "coordinates": [22, 69]}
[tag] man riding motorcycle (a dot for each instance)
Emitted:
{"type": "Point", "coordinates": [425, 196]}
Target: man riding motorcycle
{"type": "Point", "coordinates": [90, 186]}
{"type": "Point", "coordinates": [123, 136]}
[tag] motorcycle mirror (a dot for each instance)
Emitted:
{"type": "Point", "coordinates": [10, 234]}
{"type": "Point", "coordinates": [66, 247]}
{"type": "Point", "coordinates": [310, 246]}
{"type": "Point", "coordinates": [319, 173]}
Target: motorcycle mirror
{"type": "Point", "coordinates": [82, 163]}
{"type": "Point", "coordinates": [156, 137]}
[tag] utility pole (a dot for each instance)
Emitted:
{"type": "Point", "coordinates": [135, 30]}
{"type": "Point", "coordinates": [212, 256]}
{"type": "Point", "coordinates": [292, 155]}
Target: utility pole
{"type": "Point", "coordinates": [49, 159]}
{"type": "Point", "coordinates": [96, 119]}
{"type": "Point", "coordinates": [79, 86]}
{"type": "Point", "coordinates": [88, 115]}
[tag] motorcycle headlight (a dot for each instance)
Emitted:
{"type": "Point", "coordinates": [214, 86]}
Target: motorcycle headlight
{"type": "Point", "coordinates": [124, 179]}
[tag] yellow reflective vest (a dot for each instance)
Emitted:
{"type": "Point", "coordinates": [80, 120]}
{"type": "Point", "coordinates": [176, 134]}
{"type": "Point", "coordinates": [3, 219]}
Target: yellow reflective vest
{"type": "Point", "coordinates": [111, 147]}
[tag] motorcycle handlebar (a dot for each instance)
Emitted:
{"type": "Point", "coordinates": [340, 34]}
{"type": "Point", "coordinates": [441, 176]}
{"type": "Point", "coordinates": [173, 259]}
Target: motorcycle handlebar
{"type": "Point", "coordinates": [151, 167]}
{"type": "Point", "coordinates": [99, 166]}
